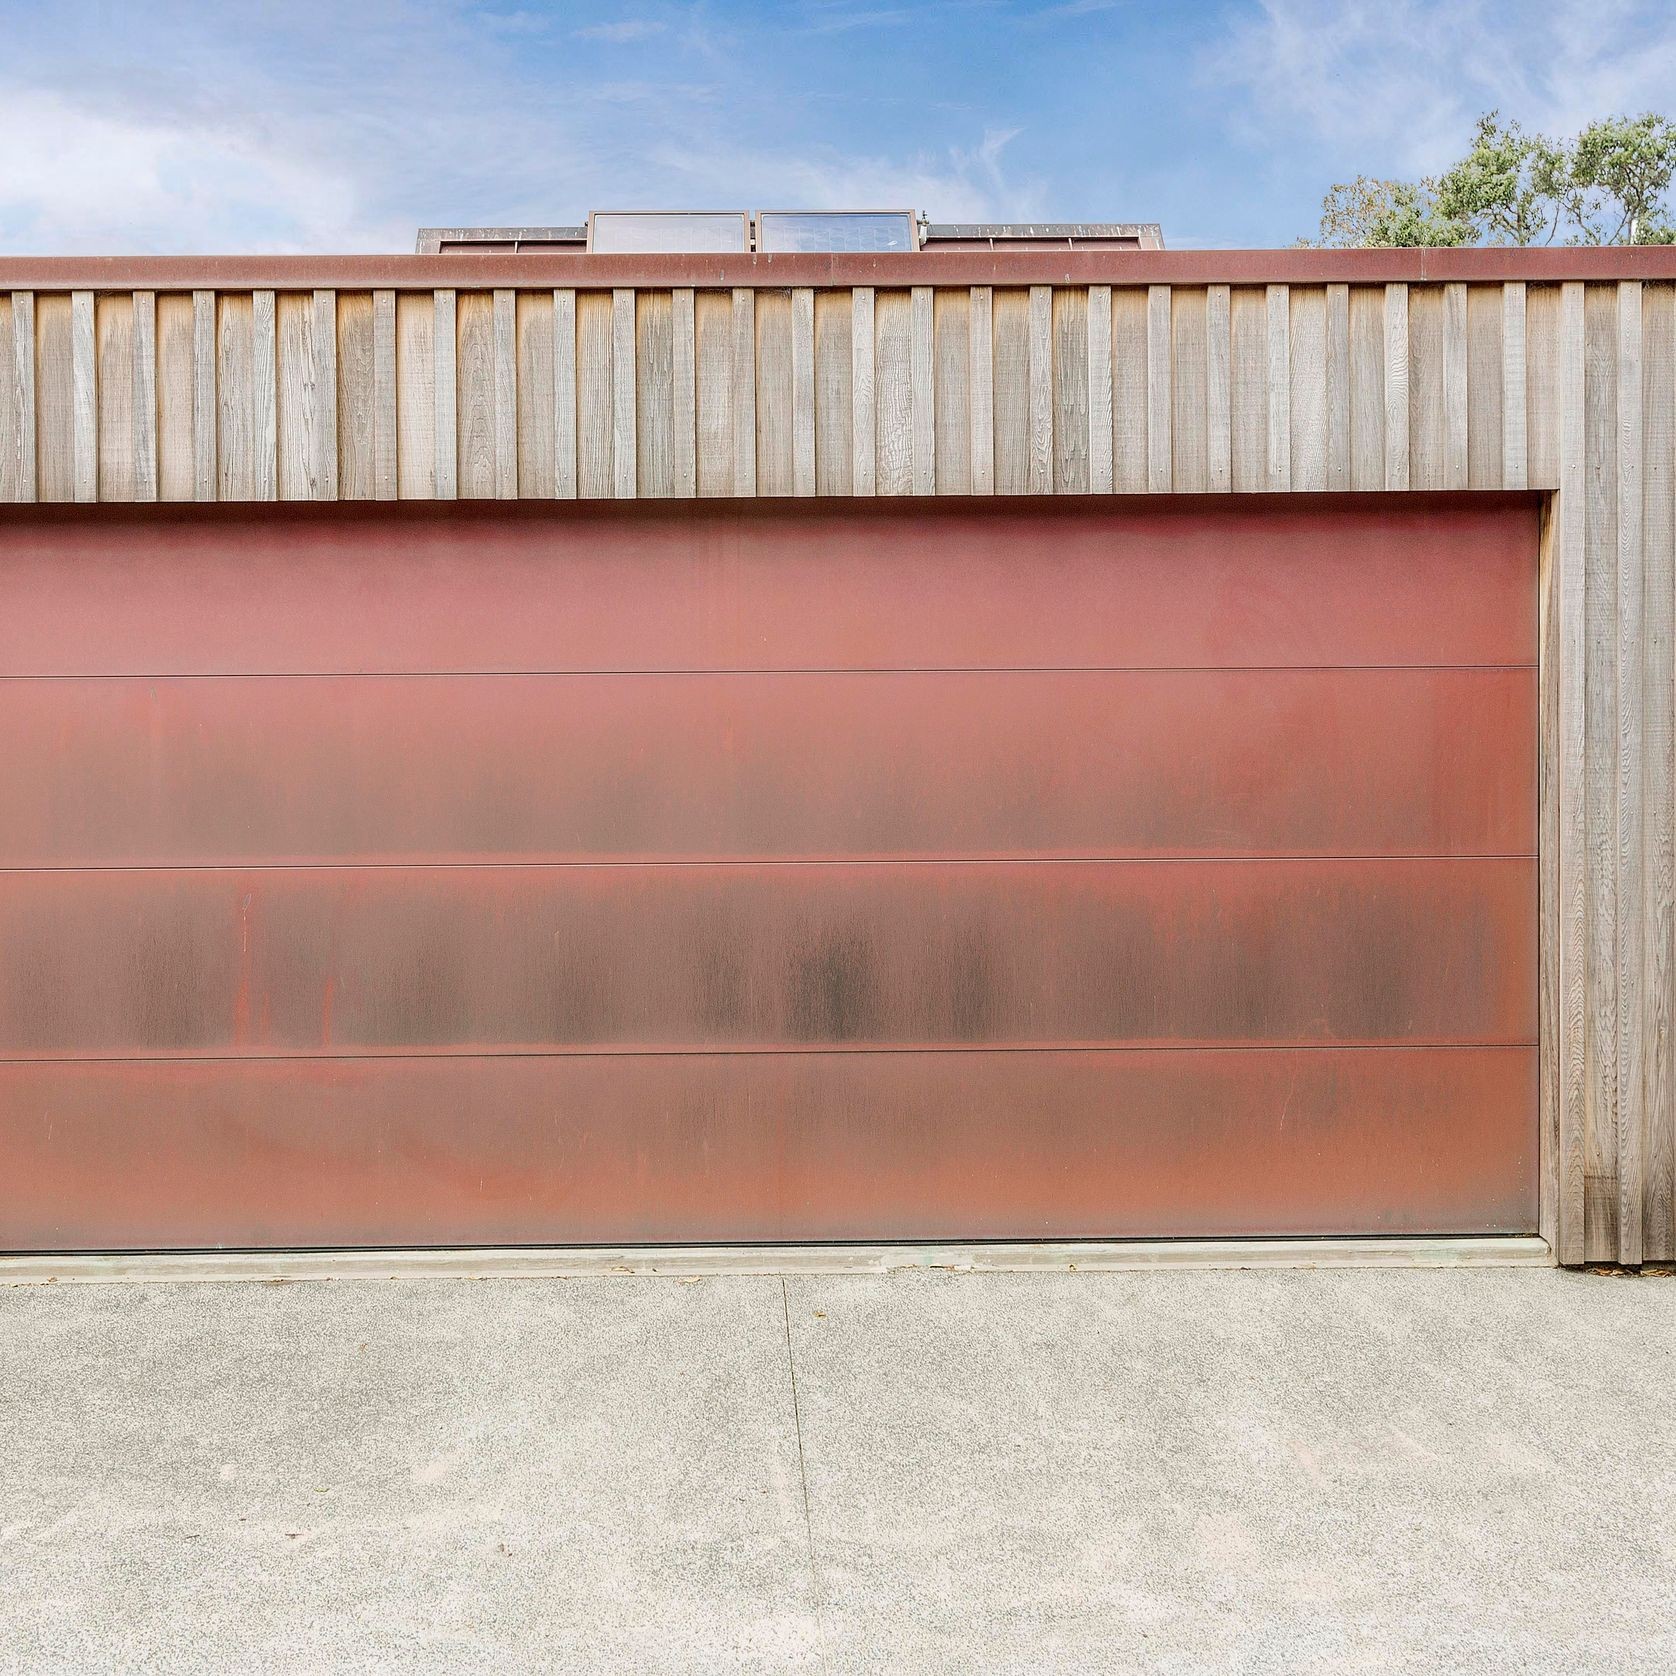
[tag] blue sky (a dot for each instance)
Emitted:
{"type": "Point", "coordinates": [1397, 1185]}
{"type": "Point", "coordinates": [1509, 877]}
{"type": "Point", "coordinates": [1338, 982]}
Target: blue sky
{"type": "Point", "coordinates": [344, 124]}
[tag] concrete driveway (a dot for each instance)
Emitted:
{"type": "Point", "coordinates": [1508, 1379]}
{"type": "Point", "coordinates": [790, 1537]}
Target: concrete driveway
{"type": "Point", "coordinates": [1287, 1471]}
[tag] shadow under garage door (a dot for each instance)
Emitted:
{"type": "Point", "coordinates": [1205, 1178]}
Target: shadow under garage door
{"type": "Point", "coordinates": [719, 872]}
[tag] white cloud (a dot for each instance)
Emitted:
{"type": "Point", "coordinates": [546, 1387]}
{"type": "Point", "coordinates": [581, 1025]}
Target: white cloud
{"type": "Point", "coordinates": [1394, 85]}
{"type": "Point", "coordinates": [620, 34]}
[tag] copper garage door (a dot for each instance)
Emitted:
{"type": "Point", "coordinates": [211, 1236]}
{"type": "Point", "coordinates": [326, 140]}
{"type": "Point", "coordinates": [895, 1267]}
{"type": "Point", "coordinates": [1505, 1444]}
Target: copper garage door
{"type": "Point", "coordinates": [540, 874]}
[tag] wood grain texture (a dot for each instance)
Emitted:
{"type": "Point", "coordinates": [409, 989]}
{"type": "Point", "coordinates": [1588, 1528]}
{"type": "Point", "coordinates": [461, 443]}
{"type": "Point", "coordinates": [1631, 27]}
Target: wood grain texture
{"type": "Point", "coordinates": [1455, 464]}
{"type": "Point", "coordinates": [834, 403]}
{"type": "Point", "coordinates": [1571, 933]}
{"type": "Point", "coordinates": [1308, 375]}
{"type": "Point", "coordinates": [713, 361]}
{"type": "Point", "coordinates": [474, 373]}
{"type": "Point", "coordinates": [864, 420]}
{"type": "Point", "coordinates": [1338, 387]}
{"type": "Point", "coordinates": [1658, 757]}
{"type": "Point", "coordinates": [325, 441]}
{"type": "Point", "coordinates": [144, 399]}
{"type": "Point", "coordinates": [113, 328]}
{"type": "Point", "coordinates": [981, 349]}
{"type": "Point", "coordinates": [204, 447]}
{"type": "Point", "coordinates": [1542, 385]}
{"type": "Point", "coordinates": [1219, 412]}
{"type": "Point", "coordinates": [744, 392]}
{"type": "Point", "coordinates": [384, 473]}
{"type": "Point", "coordinates": [564, 394]}
{"type": "Point", "coordinates": [415, 396]}
{"type": "Point", "coordinates": [24, 406]}
{"type": "Point", "coordinates": [54, 400]}
{"type": "Point", "coordinates": [803, 390]}
{"type": "Point", "coordinates": [264, 397]}
{"type": "Point", "coordinates": [893, 391]}
{"type": "Point", "coordinates": [1481, 393]}
{"type": "Point", "coordinates": [593, 395]}
{"type": "Point", "coordinates": [654, 394]}
{"type": "Point", "coordinates": [84, 414]}
{"type": "Point", "coordinates": [174, 396]}
{"type": "Point", "coordinates": [1100, 474]}
{"type": "Point", "coordinates": [1248, 313]}
{"type": "Point", "coordinates": [1011, 387]}
{"type": "Point", "coordinates": [1279, 311]}
{"type": "Point", "coordinates": [1514, 464]}
{"type": "Point", "coordinates": [1068, 409]}
{"type": "Point", "coordinates": [1629, 614]}
{"type": "Point", "coordinates": [445, 390]}
{"type": "Point", "coordinates": [1367, 387]}
{"type": "Point", "coordinates": [683, 394]}
{"type": "Point", "coordinates": [536, 451]}
{"type": "Point", "coordinates": [357, 466]}
{"type": "Point", "coordinates": [624, 454]}
{"type": "Point", "coordinates": [1396, 386]}
{"type": "Point", "coordinates": [951, 354]}
{"type": "Point", "coordinates": [1189, 470]}
{"type": "Point", "coordinates": [922, 392]}
{"type": "Point", "coordinates": [506, 393]}
{"type": "Point", "coordinates": [773, 393]}
{"type": "Point", "coordinates": [1039, 392]}
{"type": "Point", "coordinates": [1426, 429]}
{"type": "Point", "coordinates": [1159, 419]}
{"type": "Point", "coordinates": [1129, 445]}
{"type": "Point", "coordinates": [235, 406]}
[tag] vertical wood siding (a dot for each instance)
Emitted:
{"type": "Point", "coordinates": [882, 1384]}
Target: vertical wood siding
{"type": "Point", "coordinates": [1040, 389]}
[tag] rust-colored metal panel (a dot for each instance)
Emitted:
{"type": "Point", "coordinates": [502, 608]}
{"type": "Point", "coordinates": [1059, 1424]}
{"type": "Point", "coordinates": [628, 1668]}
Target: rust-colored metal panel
{"type": "Point", "coordinates": [1241, 582]}
{"type": "Point", "coordinates": [859, 1146]}
{"type": "Point", "coordinates": [671, 767]}
{"type": "Point", "coordinates": [353, 960]}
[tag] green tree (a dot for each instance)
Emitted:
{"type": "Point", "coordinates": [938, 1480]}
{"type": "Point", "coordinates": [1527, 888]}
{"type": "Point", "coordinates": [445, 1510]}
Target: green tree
{"type": "Point", "coordinates": [1609, 185]}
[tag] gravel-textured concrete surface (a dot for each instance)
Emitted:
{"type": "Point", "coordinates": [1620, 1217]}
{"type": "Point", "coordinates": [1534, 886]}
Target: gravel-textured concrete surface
{"type": "Point", "coordinates": [1284, 1471]}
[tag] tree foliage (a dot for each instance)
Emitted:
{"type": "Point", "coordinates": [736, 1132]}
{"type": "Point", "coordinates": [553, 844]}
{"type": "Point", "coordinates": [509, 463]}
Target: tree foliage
{"type": "Point", "coordinates": [1609, 185]}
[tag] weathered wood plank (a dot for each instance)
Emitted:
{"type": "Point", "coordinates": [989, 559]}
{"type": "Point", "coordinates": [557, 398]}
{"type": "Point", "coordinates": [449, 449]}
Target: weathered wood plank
{"type": "Point", "coordinates": [174, 396]}
{"type": "Point", "coordinates": [84, 400]}
{"type": "Point", "coordinates": [204, 446]}
{"type": "Point", "coordinates": [1219, 390]}
{"type": "Point", "coordinates": [744, 392]}
{"type": "Point", "coordinates": [922, 399]}
{"type": "Point", "coordinates": [1248, 314]}
{"type": "Point", "coordinates": [445, 388]}
{"type": "Point", "coordinates": [506, 393]}
{"type": "Point", "coordinates": [23, 465]}
{"type": "Point", "coordinates": [683, 395]}
{"type": "Point", "coordinates": [1367, 387]}
{"type": "Point", "coordinates": [536, 453]}
{"type": "Point", "coordinates": [1629, 953]}
{"type": "Point", "coordinates": [834, 402]}
{"type": "Point", "coordinates": [713, 361]}
{"type": "Point", "coordinates": [357, 466]}
{"type": "Point", "coordinates": [865, 417]}
{"type": "Point", "coordinates": [1543, 361]}
{"type": "Point", "coordinates": [624, 452]}
{"type": "Point", "coordinates": [144, 398]}
{"type": "Point", "coordinates": [1658, 800]}
{"type": "Point", "coordinates": [773, 394]}
{"type": "Point", "coordinates": [564, 393]}
{"type": "Point", "coordinates": [1307, 371]}
{"type": "Point", "coordinates": [1068, 408]}
{"type": "Point", "coordinates": [1189, 468]}
{"type": "Point", "coordinates": [384, 395]}
{"type": "Point", "coordinates": [1514, 466]}
{"type": "Point", "coordinates": [1129, 395]}
{"type": "Point", "coordinates": [1482, 396]}
{"type": "Point", "coordinates": [415, 396]}
{"type": "Point", "coordinates": [1279, 309]}
{"type": "Point", "coordinates": [1100, 478]}
{"type": "Point", "coordinates": [1011, 369]}
{"type": "Point", "coordinates": [1599, 669]}
{"type": "Point", "coordinates": [113, 332]}
{"type": "Point", "coordinates": [1159, 421]}
{"type": "Point", "coordinates": [235, 397]}
{"type": "Point", "coordinates": [654, 394]}
{"type": "Point", "coordinates": [1426, 439]}
{"type": "Point", "coordinates": [893, 391]}
{"type": "Point", "coordinates": [1039, 391]}
{"type": "Point", "coordinates": [1572, 938]}
{"type": "Point", "coordinates": [1338, 387]}
{"type": "Point", "coordinates": [325, 442]}
{"type": "Point", "coordinates": [474, 372]}
{"type": "Point", "coordinates": [593, 395]}
{"type": "Point", "coordinates": [264, 397]}
{"type": "Point", "coordinates": [8, 406]}
{"type": "Point", "coordinates": [951, 350]}
{"type": "Point", "coordinates": [803, 390]}
{"type": "Point", "coordinates": [54, 399]}
{"type": "Point", "coordinates": [1454, 461]}
{"type": "Point", "coordinates": [1396, 386]}
{"type": "Point", "coordinates": [981, 352]}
